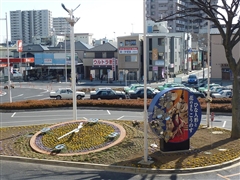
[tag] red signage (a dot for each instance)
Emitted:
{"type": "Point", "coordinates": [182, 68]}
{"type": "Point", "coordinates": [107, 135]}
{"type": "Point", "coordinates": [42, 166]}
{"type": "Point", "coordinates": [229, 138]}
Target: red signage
{"type": "Point", "coordinates": [103, 62]}
{"type": "Point", "coordinates": [17, 60]}
{"type": "Point", "coordinates": [212, 116]}
{"type": "Point", "coordinates": [19, 46]}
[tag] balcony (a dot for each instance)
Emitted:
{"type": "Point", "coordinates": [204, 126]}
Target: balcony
{"type": "Point", "coordinates": [162, 1]}
{"type": "Point", "coordinates": [163, 8]}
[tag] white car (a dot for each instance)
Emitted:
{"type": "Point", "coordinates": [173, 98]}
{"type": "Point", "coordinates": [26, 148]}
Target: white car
{"type": "Point", "coordinates": [223, 94]}
{"type": "Point", "coordinates": [66, 93]}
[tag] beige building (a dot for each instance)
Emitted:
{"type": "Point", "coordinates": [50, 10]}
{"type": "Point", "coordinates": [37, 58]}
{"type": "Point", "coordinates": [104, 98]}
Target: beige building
{"type": "Point", "coordinates": [220, 69]}
{"type": "Point", "coordinates": [130, 61]}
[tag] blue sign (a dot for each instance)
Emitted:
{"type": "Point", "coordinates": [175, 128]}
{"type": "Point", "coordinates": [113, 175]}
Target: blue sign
{"type": "Point", "coordinates": [174, 114]}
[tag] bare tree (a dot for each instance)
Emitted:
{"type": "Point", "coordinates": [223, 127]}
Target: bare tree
{"type": "Point", "coordinates": [223, 13]}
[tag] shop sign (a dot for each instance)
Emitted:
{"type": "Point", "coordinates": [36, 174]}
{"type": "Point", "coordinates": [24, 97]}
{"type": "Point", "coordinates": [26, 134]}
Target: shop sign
{"type": "Point", "coordinates": [154, 54]}
{"type": "Point", "coordinates": [128, 50]}
{"type": "Point", "coordinates": [19, 46]}
{"type": "Point", "coordinates": [155, 68]}
{"type": "Point", "coordinates": [159, 63]}
{"type": "Point", "coordinates": [47, 61]}
{"type": "Point", "coordinates": [104, 62]}
{"type": "Point", "coordinates": [174, 115]}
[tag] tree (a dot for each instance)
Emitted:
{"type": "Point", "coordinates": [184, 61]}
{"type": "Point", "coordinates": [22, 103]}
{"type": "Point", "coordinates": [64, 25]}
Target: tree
{"type": "Point", "coordinates": [222, 15]}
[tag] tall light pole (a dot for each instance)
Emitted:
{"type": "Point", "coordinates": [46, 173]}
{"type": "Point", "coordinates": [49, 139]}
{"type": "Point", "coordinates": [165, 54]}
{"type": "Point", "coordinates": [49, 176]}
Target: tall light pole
{"type": "Point", "coordinates": [167, 59]}
{"type": "Point", "coordinates": [8, 61]}
{"type": "Point", "coordinates": [208, 61]}
{"type": "Point", "coordinates": [145, 83]}
{"type": "Point", "coordinates": [65, 56]}
{"type": "Point", "coordinates": [72, 20]}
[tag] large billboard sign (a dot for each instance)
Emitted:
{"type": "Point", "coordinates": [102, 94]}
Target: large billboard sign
{"type": "Point", "coordinates": [174, 115]}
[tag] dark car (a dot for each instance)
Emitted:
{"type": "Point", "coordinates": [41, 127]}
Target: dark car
{"type": "Point", "coordinates": [107, 93]}
{"type": "Point", "coordinates": [192, 79]}
{"type": "Point", "coordinates": [139, 93]}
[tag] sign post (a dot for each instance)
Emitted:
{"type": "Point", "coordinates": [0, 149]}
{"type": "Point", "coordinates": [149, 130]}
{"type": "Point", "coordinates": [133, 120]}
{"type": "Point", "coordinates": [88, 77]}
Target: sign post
{"type": "Point", "coordinates": [212, 118]}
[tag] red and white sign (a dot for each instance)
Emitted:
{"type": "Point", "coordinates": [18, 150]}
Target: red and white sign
{"type": "Point", "coordinates": [114, 64]}
{"type": "Point", "coordinates": [128, 50]}
{"type": "Point", "coordinates": [212, 116]}
{"type": "Point", "coordinates": [103, 62]}
{"type": "Point", "coordinates": [19, 46]}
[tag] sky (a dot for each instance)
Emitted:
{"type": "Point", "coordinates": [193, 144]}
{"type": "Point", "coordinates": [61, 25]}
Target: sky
{"type": "Point", "coordinates": [100, 17]}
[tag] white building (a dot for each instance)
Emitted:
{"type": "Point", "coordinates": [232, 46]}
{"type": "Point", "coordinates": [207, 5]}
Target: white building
{"type": "Point", "coordinates": [86, 38]}
{"type": "Point", "coordinates": [25, 25]}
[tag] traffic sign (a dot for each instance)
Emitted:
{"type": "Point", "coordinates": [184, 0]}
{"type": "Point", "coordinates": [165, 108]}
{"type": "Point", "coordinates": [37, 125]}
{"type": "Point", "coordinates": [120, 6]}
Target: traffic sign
{"type": "Point", "coordinates": [212, 116]}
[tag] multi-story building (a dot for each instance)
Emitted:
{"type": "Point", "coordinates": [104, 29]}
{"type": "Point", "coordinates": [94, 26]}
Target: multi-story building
{"type": "Point", "coordinates": [220, 69]}
{"type": "Point", "coordinates": [25, 25]}
{"type": "Point", "coordinates": [158, 9]}
{"type": "Point", "coordinates": [61, 26]}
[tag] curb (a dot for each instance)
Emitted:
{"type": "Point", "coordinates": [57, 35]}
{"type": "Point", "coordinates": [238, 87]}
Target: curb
{"type": "Point", "coordinates": [114, 168]}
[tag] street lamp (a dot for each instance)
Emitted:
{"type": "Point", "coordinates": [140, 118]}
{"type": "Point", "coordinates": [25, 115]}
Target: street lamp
{"type": "Point", "coordinates": [65, 55]}
{"type": "Point", "coordinates": [208, 61]}
{"type": "Point", "coordinates": [72, 20]}
{"type": "Point", "coordinates": [167, 57]}
{"type": "Point", "coordinates": [145, 161]}
{"type": "Point", "coordinates": [9, 80]}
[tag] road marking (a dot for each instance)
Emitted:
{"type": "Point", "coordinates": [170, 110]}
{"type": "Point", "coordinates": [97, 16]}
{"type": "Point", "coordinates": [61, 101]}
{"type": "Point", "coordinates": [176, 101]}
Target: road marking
{"type": "Point", "coordinates": [108, 112]}
{"type": "Point", "coordinates": [13, 114]}
{"type": "Point", "coordinates": [231, 175]}
{"type": "Point", "coordinates": [84, 118]}
{"type": "Point", "coordinates": [120, 117]}
{"type": "Point", "coordinates": [33, 96]}
{"type": "Point", "coordinates": [223, 177]}
{"type": "Point", "coordinates": [224, 123]}
{"type": "Point", "coordinates": [18, 95]}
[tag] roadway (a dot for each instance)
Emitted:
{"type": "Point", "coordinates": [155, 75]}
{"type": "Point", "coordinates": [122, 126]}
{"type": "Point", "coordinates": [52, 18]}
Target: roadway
{"type": "Point", "coordinates": [19, 118]}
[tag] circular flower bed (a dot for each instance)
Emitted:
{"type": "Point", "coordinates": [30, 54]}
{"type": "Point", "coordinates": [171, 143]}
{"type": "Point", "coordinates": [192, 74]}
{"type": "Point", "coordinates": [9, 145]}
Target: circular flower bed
{"type": "Point", "coordinates": [91, 137]}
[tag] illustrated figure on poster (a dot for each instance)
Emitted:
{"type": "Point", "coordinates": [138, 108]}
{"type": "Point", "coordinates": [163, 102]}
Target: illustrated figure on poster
{"type": "Point", "coordinates": [177, 126]}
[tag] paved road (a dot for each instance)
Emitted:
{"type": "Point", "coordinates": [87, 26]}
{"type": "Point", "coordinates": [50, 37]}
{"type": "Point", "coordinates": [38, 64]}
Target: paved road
{"type": "Point", "coordinates": [23, 171]}
{"type": "Point", "coordinates": [59, 115]}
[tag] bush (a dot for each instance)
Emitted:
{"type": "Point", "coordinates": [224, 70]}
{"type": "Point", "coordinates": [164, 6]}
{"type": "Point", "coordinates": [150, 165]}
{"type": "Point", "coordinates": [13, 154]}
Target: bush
{"type": "Point", "coordinates": [217, 105]}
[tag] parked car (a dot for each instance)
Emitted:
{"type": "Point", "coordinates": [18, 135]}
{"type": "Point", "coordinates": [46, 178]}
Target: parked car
{"type": "Point", "coordinates": [139, 93]}
{"type": "Point", "coordinates": [195, 92]}
{"type": "Point", "coordinates": [223, 94]}
{"type": "Point", "coordinates": [205, 88]}
{"type": "Point", "coordinates": [192, 79]}
{"type": "Point", "coordinates": [66, 93]}
{"type": "Point", "coordinates": [169, 85]}
{"type": "Point", "coordinates": [132, 87]}
{"type": "Point", "coordinates": [217, 89]}
{"type": "Point", "coordinates": [107, 93]}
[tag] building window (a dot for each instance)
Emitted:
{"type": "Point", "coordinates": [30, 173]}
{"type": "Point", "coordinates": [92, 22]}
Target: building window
{"type": "Point", "coordinates": [98, 55]}
{"type": "Point", "coordinates": [150, 44]}
{"type": "Point", "coordinates": [161, 41]}
{"type": "Point", "coordinates": [110, 54]}
{"type": "Point", "coordinates": [132, 58]}
{"type": "Point", "coordinates": [130, 43]}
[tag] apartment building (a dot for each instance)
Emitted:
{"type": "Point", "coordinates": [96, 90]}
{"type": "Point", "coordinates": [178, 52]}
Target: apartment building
{"type": "Point", "coordinates": [61, 26]}
{"type": "Point", "coordinates": [25, 25]}
{"type": "Point", "coordinates": [158, 9]}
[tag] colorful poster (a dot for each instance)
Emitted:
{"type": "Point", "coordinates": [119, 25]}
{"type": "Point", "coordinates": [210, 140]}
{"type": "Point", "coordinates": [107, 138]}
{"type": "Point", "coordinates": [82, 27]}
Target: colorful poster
{"type": "Point", "coordinates": [174, 115]}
